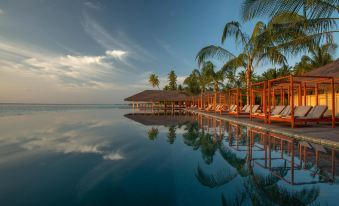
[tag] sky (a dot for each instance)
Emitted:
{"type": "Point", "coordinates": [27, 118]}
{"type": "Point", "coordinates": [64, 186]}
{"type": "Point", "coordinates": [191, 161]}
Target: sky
{"type": "Point", "coordinates": [101, 51]}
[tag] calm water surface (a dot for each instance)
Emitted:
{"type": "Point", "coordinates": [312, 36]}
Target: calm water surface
{"type": "Point", "coordinates": [101, 156]}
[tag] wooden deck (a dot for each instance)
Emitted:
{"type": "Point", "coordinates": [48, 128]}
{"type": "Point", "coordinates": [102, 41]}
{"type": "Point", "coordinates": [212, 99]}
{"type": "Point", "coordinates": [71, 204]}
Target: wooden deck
{"type": "Point", "coordinates": [322, 133]}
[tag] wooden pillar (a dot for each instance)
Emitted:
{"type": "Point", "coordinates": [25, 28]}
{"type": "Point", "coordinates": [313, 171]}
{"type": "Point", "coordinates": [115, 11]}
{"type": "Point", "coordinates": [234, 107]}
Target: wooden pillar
{"type": "Point", "coordinates": [305, 93]}
{"type": "Point", "coordinates": [283, 96]}
{"type": "Point", "coordinates": [264, 103]}
{"type": "Point", "coordinates": [215, 101]}
{"type": "Point", "coordinates": [304, 157]}
{"type": "Point", "coordinates": [333, 102]}
{"type": "Point", "coordinates": [333, 164]}
{"type": "Point", "coordinates": [265, 149]}
{"type": "Point", "coordinates": [316, 94]}
{"type": "Point", "coordinates": [289, 95]}
{"type": "Point", "coordinates": [269, 102]}
{"type": "Point", "coordinates": [269, 152]}
{"type": "Point", "coordinates": [300, 155]}
{"type": "Point", "coordinates": [292, 162]}
{"type": "Point", "coordinates": [273, 98]}
{"type": "Point", "coordinates": [251, 101]}
{"type": "Point", "coordinates": [292, 101]}
{"type": "Point", "coordinates": [237, 100]}
{"type": "Point", "coordinates": [299, 95]}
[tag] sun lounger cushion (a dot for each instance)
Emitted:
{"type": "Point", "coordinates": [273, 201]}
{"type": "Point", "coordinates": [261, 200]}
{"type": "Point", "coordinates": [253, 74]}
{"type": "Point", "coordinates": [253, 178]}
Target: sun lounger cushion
{"type": "Point", "coordinates": [316, 112]}
{"type": "Point", "coordinates": [231, 108]}
{"type": "Point", "coordinates": [285, 112]}
{"type": "Point", "coordinates": [235, 108]}
{"type": "Point", "coordinates": [255, 108]}
{"type": "Point", "coordinates": [245, 108]}
{"type": "Point", "coordinates": [301, 111]}
{"type": "Point", "coordinates": [277, 110]}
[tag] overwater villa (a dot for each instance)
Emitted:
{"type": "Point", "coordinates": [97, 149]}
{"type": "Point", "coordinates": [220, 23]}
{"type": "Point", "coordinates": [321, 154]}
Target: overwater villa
{"type": "Point", "coordinates": [160, 100]}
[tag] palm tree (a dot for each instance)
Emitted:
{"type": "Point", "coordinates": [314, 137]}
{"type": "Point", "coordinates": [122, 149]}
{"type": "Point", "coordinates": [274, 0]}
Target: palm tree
{"type": "Point", "coordinates": [216, 77]}
{"type": "Point", "coordinates": [255, 49]}
{"type": "Point", "coordinates": [192, 83]}
{"type": "Point", "coordinates": [319, 56]}
{"type": "Point", "coordinates": [256, 188]}
{"type": "Point", "coordinates": [232, 78]}
{"type": "Point", "coordinates": [200, 140]}
{"type": "Point", "coordinates": [154, 80]}
{"type": "Point", "coordinates": [274, 73]}
{"type": "Point", "coordinates": [172, 80]}
{"type": "Point", "coordinates": [153, 133]}
{"type": "Point", "coordinates": [218, 179]}
{"type": "Point", "coordinates": [191, 136]}
{"type": "Point", "coordinates": [296, 24]}
{"type": "Point", "coordinates": [203, 78]}
{"type": "Point", "coordinates": [171, 135]}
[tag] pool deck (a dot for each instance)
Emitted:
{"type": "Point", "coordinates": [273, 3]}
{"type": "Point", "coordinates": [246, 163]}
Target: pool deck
{"type": "Point", "coordinates": [321, 133]}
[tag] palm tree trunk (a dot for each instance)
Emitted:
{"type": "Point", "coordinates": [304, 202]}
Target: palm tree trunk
{"type": "Point", "coordinates": [248, 85]}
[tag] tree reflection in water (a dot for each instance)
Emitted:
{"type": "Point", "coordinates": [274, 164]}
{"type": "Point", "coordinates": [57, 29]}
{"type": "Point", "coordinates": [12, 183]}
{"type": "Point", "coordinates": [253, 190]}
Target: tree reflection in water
{"type": "Point", "coordinates": [256, 189]}
{"type": "Point", "coordinates": [200, 140]}
{"type": "Point", "coordinates": [153, 133]}
{"type": "Point", "coordinates": [171, 135]}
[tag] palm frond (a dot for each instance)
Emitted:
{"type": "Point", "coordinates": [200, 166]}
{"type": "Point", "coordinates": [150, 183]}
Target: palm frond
{"type": "Point", "coordinates": [213, 51]}
{"type": "Point", "coordinates": [259, 28]}
{"type": "Point", "coordinates": [236, 62]}
{"type": "Point", "coordinates": [233, 160]}
{"type": "Point", "coordinates": [274, 56]}
{"type": "Point", "coordinates": [310, 8]}
{"type": "Point", "coordinates": [233, 29]}
{"type": "Point", "coordinates": [239, 199]}
{"type": "Point", "coordinates": [214, 180]}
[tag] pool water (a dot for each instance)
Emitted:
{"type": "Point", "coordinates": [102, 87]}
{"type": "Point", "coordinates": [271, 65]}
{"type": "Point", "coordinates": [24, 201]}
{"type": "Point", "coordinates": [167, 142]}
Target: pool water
{"type": "Point", "coordinates": [109, 156]}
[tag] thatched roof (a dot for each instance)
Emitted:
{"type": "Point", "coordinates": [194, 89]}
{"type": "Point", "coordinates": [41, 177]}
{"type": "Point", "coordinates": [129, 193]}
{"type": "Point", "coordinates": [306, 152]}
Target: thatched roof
{"type": "Point", "coordinates": [159, 119]}
{"type": "Point", "coordinates": [158, 95]}
{"type": "Point", "coordinates": [331, 70]}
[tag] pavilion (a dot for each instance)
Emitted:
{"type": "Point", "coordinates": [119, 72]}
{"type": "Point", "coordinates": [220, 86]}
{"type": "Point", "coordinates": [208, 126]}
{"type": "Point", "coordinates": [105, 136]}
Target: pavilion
{"type": "Point", "coordinates": [160, 100]}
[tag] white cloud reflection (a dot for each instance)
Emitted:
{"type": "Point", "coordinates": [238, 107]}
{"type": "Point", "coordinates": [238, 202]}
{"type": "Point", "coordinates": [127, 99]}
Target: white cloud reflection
{"type": "Point", "coordinates": [64, 136]}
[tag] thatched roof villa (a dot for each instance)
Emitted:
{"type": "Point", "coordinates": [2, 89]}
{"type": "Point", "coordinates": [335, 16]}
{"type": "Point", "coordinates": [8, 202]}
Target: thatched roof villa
{"type": "Point", "coordinates": [160, 99]}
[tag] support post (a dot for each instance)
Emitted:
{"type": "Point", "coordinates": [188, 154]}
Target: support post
{"type": "Point", "coordinates": [305, 92]}
{"type": "Point", "coordinates": [333, 103]}
{"type": "Point", "coordinates": [292, 101]}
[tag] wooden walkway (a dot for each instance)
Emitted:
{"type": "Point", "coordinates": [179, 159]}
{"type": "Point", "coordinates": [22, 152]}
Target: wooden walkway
{"type": "Point", "coordinates": [321, 133]}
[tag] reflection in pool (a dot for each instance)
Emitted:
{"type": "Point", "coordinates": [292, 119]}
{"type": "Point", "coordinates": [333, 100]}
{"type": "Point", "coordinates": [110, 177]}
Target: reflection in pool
{"type": "Point", "coordinates": [105, 157]}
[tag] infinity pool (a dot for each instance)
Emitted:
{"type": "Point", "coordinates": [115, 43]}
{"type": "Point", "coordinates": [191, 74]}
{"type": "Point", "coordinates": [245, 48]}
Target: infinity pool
{"type": "Point", "coordinates": [109, 156]}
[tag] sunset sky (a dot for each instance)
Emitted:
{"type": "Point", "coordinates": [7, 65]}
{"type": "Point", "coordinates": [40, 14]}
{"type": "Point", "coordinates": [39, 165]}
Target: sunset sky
{"type": "Point", "coordinates": [80, 51]}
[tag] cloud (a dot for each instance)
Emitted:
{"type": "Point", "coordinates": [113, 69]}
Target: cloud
{"type": "Point", "coordinates": [113, 156]}
{"type": "Point", "coordinates": [93, 5]}
{"type": "Point", "coordinates": [72, 138]}
{"type": "Point", "coordinates": [116, 53]}
{"type": "Point", "coordinates": [88, 71]}
{"type": "Point", "coordinates": [1, 11]}
{"type": "Point", "coordinates": [119, 41]}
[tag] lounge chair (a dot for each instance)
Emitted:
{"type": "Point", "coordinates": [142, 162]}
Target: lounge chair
{"type": "Point", "coordinates": [285, 115]}
{"type": "Point", "coordinates": [255, 108]}
{"type": "Point", "coordinates": [209, 108]}
{"type": "Point", "coordinates": [245, 108]}
{"type": "Point", "coordinates": [246, 111]}
{"type": "Point", "coordinates": [275, 110]}
{"type": "Point", "coordinates": [316, 114]}
{"type": "Point", "coordinates": [221, 109]}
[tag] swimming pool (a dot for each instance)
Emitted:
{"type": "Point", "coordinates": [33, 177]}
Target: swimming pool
{"type": "Point", "coordinates": [110, 156]}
